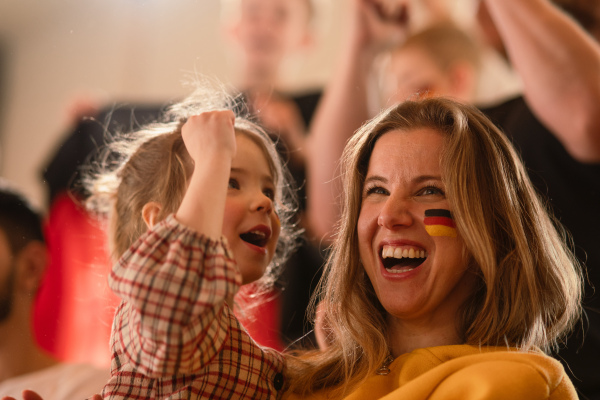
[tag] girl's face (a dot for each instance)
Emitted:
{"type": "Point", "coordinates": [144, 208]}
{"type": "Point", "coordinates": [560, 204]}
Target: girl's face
{"type": "Point", "coordinates": [417, 266]}
{"type": "Point", "coordinates": [251, 225]}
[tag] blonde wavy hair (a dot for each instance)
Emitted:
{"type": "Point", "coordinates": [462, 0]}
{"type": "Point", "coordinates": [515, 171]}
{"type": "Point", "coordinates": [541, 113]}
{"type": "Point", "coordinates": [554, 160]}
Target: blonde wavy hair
{"type": "Point", "coordinates": [530, 284]}
{"type": "Point", "coordinates": [152, 164]}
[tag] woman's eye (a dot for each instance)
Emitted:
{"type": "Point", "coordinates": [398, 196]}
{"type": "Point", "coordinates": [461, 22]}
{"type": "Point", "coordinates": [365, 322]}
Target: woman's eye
{"type": "Point", "coordinates": [431, 191]}
{"type": "Point", "coordinates": [375, 190]}
{"type": "Point", "coordinates": [233, 184]}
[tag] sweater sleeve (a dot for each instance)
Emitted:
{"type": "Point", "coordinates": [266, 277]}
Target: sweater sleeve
{"type": "Point", "coordinates": [175, 284]}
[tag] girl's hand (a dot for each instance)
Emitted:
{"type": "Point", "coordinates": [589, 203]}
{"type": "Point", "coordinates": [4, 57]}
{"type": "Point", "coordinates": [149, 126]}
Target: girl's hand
{"type": "Point", "coordinates": [210, 134]}
{"type": "Point", "coordinates": [209, 138]}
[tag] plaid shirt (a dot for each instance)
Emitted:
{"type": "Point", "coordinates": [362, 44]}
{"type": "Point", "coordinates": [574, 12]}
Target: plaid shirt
{"type": "Point", "coordinates": [174, 335]}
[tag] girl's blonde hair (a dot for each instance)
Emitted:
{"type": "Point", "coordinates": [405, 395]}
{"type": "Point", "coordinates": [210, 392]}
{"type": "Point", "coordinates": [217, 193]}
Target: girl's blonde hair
{"type": "Point", "coordinates": [153, 165]}
{"type": "Point", "coordinates": [529, 292]}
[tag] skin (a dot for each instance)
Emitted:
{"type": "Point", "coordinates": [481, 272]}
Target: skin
{"type": "Point", "coordinates": [249, 206]}
{"type": "Point", "coordinates": [268, 31]}
{"type": "Point", "coordinates": [404, 179]}
{"type": "Point", "coordinates": [411, 72]}
{"type": "Point", "coordinates": [19, 352]}
{"type": "Point", "coordinates": [558, 63]}
{"type": "Point", "coordinates": [7, 279]}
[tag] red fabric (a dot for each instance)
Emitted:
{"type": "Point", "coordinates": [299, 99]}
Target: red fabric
{"type": "Point", "coordinates": [74, 308]}
{"type": "Point", "coordinates": [262, 321]}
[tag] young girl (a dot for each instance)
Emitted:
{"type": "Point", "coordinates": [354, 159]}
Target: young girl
{"type": "Point", "coordinates": [199, 207]}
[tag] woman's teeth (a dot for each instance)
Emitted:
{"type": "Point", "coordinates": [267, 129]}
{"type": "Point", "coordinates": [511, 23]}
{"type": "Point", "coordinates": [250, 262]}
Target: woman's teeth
{"type": "Point", "coordinates": [397, 260]}
{"type": "Point", "coordinates": [398, 252]}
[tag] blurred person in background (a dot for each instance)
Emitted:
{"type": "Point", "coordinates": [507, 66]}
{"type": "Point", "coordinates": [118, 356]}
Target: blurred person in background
{"type": "Point", "coordinates": [555, 124]}
{"type": "Point", "coordinates": [74, 294]}
{"type": "Point", "coordinates": [23, 261]}
{"type": "Point", "coordinates": [268, 37]}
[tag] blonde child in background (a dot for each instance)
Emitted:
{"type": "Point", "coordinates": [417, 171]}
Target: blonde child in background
{"type": "Point", "coordinates": [199, 207]}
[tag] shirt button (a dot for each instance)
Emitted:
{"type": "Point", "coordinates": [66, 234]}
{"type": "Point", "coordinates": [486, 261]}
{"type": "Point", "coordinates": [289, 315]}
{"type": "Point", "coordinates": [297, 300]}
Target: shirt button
{"type": "Point", "coordinates": [278, 381]}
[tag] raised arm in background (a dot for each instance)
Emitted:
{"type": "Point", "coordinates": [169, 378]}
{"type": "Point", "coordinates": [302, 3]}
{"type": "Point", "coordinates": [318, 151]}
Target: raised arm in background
{"type": "Point", "coordinates": [559, 64]}
{"type": "Point", "coordinates": [343, 108]}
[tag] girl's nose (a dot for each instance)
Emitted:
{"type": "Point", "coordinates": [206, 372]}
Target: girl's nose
{"type": "Point", "coordinates": [262, 202]}
{"type": "Point", "coordinates": [394, 214]}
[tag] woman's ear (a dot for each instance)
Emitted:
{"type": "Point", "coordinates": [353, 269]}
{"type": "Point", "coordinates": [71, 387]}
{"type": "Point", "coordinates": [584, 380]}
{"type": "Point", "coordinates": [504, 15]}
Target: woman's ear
{"type": "Point", "coordinates": [150, 213]}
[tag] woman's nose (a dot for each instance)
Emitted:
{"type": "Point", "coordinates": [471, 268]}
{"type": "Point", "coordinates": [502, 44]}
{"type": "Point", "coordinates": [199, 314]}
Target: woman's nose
{"type": "Point", "coordinates": [395, 213]}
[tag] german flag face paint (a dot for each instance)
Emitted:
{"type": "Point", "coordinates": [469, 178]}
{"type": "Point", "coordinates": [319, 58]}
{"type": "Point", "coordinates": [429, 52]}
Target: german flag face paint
{"type": "Point", "coordinates": [439, 222]}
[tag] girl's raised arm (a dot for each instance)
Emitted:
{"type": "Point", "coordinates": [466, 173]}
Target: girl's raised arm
{"type": "Point", "coordinates": [178, 277]}
{"type": "Point", "coordinates": [210, 139]}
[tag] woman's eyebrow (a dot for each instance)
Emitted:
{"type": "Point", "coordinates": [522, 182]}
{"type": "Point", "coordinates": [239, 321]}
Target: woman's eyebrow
{"type": "Point", "coordinates": [418, 179]}
{"type": "Point", "coordinates": [423, 178]}
{"type": "Point", "coordinates": [375, 178]}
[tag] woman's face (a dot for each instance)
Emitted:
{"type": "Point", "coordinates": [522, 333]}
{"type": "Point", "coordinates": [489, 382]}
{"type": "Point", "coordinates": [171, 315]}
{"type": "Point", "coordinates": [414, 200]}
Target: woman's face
{"type": "Point", "coordinates": [417, 266]}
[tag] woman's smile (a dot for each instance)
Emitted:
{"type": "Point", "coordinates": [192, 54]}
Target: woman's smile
{"type": "Point", "coordinates": [414, 274]}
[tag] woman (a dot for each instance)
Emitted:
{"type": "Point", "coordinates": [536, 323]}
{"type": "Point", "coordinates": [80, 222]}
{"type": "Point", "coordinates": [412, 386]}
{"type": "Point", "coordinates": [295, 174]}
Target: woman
{"type": "Point", "coordinates": [447, 275]}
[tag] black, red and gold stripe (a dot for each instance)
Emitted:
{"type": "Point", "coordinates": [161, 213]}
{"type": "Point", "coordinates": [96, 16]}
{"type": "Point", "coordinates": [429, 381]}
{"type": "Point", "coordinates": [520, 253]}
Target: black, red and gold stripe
{"type": "Point", "coordinates": [439, 222]}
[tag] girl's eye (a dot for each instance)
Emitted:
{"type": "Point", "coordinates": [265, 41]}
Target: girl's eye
{"type": "Point", "coordinates": [375, 190]}
{"type": "Point", "coordinates": [270, 193]}
{"type": "Point", "coordinates": [233, 184]}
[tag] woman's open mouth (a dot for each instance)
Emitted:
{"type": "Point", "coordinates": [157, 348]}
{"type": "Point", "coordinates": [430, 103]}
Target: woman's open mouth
{"type": "Point", "coordinates": [400, 259]}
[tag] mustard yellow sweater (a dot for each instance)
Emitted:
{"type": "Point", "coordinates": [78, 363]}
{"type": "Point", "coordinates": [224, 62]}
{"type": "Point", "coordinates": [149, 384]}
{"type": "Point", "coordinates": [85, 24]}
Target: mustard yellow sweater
{"type": "Point", "coordinates": [464, 372]}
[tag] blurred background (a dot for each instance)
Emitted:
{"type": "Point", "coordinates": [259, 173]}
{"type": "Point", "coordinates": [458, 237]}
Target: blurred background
{"type": "Point", "coordinates": [63, 59]}
{"type": "Point", "coordinates": [57, 53]}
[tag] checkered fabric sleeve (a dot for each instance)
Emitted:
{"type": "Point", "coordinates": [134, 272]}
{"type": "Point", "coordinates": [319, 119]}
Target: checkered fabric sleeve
{"type": "Point", "coordinates": [175, 284]}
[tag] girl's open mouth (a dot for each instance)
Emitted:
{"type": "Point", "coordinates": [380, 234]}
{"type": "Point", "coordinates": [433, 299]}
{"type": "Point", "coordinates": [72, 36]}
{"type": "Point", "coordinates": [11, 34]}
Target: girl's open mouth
{"type": "Point", "coordinates": [258, 236]}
